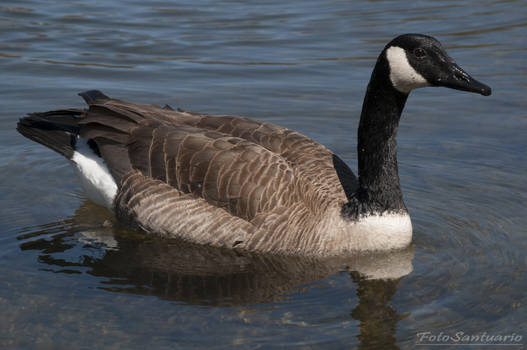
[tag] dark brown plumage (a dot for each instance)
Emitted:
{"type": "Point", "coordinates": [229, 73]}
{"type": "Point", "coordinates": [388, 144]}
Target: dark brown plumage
{"type": "Point", "coordinates": [235, 182]}
{"type": "Point", "coordinates": [215, 179]}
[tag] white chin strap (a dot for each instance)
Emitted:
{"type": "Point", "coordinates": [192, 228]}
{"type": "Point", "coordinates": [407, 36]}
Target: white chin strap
{"type": "Point", "coordinates": [402, 75]}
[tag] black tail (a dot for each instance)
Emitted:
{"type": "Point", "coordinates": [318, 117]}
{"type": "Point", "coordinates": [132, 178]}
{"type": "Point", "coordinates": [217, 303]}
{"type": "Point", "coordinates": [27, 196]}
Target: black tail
{"type": "Point", "coordinates": [93, 96]}
{"type": "Point", "coordinates": [57, 130]}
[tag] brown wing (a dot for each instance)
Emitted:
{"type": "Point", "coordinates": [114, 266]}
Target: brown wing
{"type": "Point", "coordinates": [331, 178]}
{"type": "Point", "coordinates": [228, 172]}
{"type": "Point", "coordinates": [245, 169]}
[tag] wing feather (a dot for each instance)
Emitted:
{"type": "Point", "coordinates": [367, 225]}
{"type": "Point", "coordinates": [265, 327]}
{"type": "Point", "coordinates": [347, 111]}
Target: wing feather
{"type": "Point", "coordinates": [258, 176]}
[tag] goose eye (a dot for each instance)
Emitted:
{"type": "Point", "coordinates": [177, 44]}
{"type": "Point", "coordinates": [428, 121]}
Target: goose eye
{"type": "Point", "coordinates": [419, 53]}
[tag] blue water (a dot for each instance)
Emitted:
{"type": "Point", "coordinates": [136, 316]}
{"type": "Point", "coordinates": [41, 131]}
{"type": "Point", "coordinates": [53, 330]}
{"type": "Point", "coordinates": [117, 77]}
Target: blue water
{"type": "Point", "coordinates": [73, 278]}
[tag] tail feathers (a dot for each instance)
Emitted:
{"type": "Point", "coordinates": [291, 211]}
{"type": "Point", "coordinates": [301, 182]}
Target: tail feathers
{"type": "Point", "coordinates": [57, 130]}
{"type": "Point", "coordinates": [93, 96]}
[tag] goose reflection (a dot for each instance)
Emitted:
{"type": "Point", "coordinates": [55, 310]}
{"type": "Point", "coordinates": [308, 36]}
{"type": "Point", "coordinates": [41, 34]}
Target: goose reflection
{"type": "Point", "coordinates": [130, 262]}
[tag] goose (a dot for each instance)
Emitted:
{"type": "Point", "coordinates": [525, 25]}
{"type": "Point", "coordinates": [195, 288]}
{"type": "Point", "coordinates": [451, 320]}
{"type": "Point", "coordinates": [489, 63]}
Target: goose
{"type": "Point", "coordinates": [234, 182]}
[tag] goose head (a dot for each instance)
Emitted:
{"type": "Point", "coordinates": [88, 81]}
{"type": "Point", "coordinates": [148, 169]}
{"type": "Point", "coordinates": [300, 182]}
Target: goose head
{"type": "Point", "coordinates": [417, 60]}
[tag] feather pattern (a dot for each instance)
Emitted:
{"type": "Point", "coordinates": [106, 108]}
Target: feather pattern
{"type": "Point", "coordinates": [216, 179]}
{"type": "Point", "coordinates": [231, 181]}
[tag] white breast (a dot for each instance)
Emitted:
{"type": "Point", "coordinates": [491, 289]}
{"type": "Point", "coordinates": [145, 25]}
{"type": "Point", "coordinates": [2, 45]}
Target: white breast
{"type": "Point", "coordinates": [384, 231]}
{"type": "Point", "coordinates": [98, 183]}
{"type": "Point", "coordinates": [376, 232]}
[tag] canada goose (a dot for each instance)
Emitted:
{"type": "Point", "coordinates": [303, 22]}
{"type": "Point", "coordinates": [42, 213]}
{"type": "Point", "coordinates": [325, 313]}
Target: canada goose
{"type": "Point", "coordinates": [240, 183]}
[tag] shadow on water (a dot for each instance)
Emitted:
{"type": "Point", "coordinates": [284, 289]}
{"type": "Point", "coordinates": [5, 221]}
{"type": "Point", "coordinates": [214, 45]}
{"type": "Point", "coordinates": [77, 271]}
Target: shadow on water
{"type": "Point", "coordinates": [91, 242]}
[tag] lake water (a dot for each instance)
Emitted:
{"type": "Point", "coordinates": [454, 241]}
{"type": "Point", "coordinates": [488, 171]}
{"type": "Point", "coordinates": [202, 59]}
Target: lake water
{"type": "Point", "coordinates": [69, 280]}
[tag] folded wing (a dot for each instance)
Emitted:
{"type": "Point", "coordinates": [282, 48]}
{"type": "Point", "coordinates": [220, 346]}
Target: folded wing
{"type": "Point", "coordinates": [245, 168]}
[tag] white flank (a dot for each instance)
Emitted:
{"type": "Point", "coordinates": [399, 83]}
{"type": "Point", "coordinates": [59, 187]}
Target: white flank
{"type": "Point", "coordinates": [402, 75]}
{"type": "Point", "coordinates": [98, 183]}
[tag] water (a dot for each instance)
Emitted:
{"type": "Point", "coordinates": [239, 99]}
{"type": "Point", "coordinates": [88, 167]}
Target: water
{"type": "Point", "coordinates": [72, 281]}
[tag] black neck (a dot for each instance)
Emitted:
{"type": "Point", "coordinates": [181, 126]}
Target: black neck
{"type": "Point", "coordinates": [379, 189]}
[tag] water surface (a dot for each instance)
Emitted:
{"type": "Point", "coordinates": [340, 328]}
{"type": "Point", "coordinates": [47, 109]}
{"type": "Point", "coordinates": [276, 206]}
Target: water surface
{"type": "Point", "coordinates": [73, 278]}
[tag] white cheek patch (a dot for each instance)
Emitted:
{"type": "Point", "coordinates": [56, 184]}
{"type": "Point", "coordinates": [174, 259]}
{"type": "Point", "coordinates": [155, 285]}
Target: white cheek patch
{"type": "Point", "coordinates": [402, 75]}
